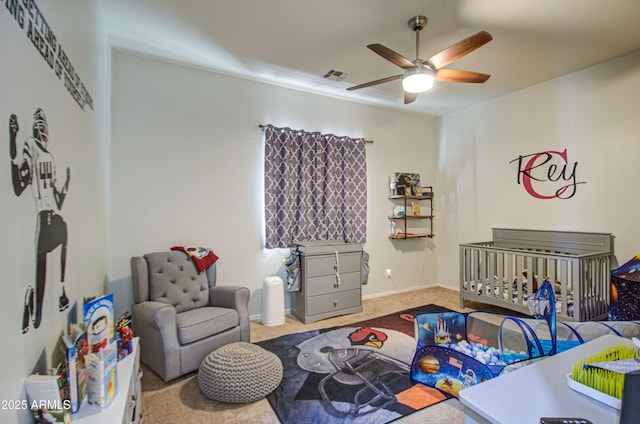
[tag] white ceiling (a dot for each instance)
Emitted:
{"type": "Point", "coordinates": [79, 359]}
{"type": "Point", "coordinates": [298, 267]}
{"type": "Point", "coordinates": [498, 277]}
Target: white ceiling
{"type": "Point", "coordinates": [294, 43]}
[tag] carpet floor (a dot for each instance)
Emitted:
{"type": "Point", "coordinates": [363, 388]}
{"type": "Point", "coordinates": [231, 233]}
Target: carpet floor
{"type": "Point", "coordinates": [182, 401]}
{"type": "Point", "coordinates": [358, 373]}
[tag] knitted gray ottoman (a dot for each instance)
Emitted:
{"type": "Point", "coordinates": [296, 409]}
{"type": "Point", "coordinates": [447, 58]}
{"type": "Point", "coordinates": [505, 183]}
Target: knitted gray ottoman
{"type": "Point", "coordinates": [239, 372]}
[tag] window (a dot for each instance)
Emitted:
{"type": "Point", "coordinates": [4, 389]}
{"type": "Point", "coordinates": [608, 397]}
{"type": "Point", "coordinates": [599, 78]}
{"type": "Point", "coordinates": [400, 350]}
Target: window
{"type": "Point", "coordinates": [315, 187]}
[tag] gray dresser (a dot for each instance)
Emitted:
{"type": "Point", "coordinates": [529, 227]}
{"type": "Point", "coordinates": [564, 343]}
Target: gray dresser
{"type": "Point", "coordinates": [330, 283]}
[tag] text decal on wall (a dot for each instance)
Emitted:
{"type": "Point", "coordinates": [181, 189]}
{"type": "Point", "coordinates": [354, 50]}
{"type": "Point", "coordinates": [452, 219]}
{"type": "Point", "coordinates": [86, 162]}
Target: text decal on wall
{"type": "Point", "coordinates": [28, 17]}
{"type": "Point", "coordinates": [547, 175]}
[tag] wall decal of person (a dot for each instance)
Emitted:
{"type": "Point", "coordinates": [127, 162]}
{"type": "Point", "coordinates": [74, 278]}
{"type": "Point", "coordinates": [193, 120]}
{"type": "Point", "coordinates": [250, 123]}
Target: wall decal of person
{"type": "Point", "coordinates": [36, 168]}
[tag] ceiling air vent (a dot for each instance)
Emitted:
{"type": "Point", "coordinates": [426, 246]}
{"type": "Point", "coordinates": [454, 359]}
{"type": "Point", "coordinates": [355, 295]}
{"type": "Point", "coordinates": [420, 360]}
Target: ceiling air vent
{"type": "Point", "coordinates": [334, 75]}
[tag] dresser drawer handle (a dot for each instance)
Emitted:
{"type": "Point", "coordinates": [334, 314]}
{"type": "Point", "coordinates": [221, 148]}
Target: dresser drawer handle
{"type": "Point", "coordinates": [335, 303]}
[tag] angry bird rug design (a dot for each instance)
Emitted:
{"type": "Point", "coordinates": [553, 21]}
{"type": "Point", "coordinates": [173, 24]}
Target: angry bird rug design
{"type": "Point", "coordinates": [357, 371]}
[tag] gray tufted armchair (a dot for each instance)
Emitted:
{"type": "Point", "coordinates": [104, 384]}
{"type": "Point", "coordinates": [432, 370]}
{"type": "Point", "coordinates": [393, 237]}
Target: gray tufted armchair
{"type": "Point", "coordinates": [180, 315]}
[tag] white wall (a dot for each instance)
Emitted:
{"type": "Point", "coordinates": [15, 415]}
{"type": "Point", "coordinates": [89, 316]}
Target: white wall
{"type": "Point", "coordinates": [592, 113]}
{"type": "Point", "coordinates": [76, 141]}
{"type": "Point", "coordinates": [188, 169]}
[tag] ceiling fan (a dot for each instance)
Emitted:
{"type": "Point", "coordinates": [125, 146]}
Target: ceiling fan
{"type": "Point", "coordinates": [419, 75]}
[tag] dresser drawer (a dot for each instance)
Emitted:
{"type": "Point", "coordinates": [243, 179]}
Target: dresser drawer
{"type": "Point", "coordinates": [325, 264]}
{"type": "Point", "coordinates": [327, 283]}
{"type": "Point", "coordinates": [333, 301]}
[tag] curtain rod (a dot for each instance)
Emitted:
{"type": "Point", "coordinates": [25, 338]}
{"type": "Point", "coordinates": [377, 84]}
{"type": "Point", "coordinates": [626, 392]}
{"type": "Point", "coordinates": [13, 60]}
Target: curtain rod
{"type": "Point", "coordinates": [262, 126]}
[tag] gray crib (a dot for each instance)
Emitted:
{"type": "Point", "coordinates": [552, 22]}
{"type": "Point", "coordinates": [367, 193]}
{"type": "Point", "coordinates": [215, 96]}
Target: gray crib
{"type": "Point", "coordinates": [504, 271]}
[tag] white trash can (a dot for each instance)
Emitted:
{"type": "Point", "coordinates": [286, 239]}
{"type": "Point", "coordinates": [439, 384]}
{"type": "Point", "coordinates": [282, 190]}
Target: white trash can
{"type": "Point", "coordinates": [272, 301]}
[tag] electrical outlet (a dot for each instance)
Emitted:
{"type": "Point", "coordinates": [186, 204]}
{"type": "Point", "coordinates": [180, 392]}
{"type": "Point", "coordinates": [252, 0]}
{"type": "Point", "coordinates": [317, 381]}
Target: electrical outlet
{"type": "Point", "coordinates": [389, 273]}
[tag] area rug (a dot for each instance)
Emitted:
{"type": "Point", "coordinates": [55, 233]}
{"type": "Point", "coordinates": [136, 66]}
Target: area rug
{"type": "Point", "coordinates": [358, 373]}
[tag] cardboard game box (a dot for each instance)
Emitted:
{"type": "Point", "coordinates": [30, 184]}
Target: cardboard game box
{"type": "Point", "coordinates": [102, 379]}
{"type": "Point", "coordinates": [99, 322]}
{"type": "Point", "coordinates": [74, 348]}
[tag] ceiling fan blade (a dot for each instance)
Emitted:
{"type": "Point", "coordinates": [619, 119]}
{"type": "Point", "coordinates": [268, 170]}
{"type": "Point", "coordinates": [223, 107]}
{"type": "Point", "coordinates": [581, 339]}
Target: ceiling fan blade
{"type": "Point", "coordinates": [392, 56]}
{"type": "Point", "coordinates": [456, 75]}
{"type": "Point", "coordinates": [459, 49]}
{"type": "Point", "coordinates": [410, 97]}
{"type": "Point", "coordinates": [376, 82]}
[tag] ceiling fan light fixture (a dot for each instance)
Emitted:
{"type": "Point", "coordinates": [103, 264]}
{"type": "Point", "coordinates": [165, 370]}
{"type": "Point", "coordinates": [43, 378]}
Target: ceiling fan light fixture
{"type": "Point", "coordinates": [418, 80]}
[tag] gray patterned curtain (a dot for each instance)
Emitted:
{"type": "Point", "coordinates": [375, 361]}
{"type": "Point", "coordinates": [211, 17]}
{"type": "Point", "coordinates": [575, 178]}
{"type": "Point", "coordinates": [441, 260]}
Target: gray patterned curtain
{"type": "Point", "coordinates": [315, 187]}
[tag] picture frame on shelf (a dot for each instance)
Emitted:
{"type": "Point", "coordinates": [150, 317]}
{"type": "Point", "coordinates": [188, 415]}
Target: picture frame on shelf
{"type": "Point", "coordinates": [407, 183]}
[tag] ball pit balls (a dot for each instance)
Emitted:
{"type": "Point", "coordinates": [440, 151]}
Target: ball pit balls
{"type": "Point", "coordinates": [429, 365]}
{"type": "Point", "coordinates": [489, 355]}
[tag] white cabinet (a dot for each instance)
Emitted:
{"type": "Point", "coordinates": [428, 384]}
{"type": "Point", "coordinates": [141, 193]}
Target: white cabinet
{"type": "Point", "coordinates": [126, 408]}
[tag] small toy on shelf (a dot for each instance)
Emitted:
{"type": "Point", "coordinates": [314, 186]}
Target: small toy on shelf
{"type": "Point", "coordinates": [124, 332]}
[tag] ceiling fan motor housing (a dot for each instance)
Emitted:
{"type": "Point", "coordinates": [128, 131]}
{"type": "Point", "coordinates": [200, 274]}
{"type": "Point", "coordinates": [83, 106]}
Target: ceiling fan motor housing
{"type": "Point", "coordinates": [417, 23]}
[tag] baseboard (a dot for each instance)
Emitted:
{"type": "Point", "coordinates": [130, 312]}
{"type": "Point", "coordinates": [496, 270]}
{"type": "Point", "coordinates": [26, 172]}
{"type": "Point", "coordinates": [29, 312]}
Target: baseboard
{"type": "Point", "coordinates": [405, 290]}
{"type": "Point", "coordinates": [258, 317]}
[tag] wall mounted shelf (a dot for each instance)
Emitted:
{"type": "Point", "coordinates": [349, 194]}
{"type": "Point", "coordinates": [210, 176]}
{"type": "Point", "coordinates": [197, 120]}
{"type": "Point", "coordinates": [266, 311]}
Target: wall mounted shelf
{"type": "Point", "coordinates": [411, 201]}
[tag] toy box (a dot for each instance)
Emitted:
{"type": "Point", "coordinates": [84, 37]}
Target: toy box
{"type": "Point", "coordinates": [457, 350]}
{"type": "Point", "coordinates": [99, 322]}
{"type": "Point", "coordinates": [625, 291]}
{"type": "Point", "coordinates": [102, 381]}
